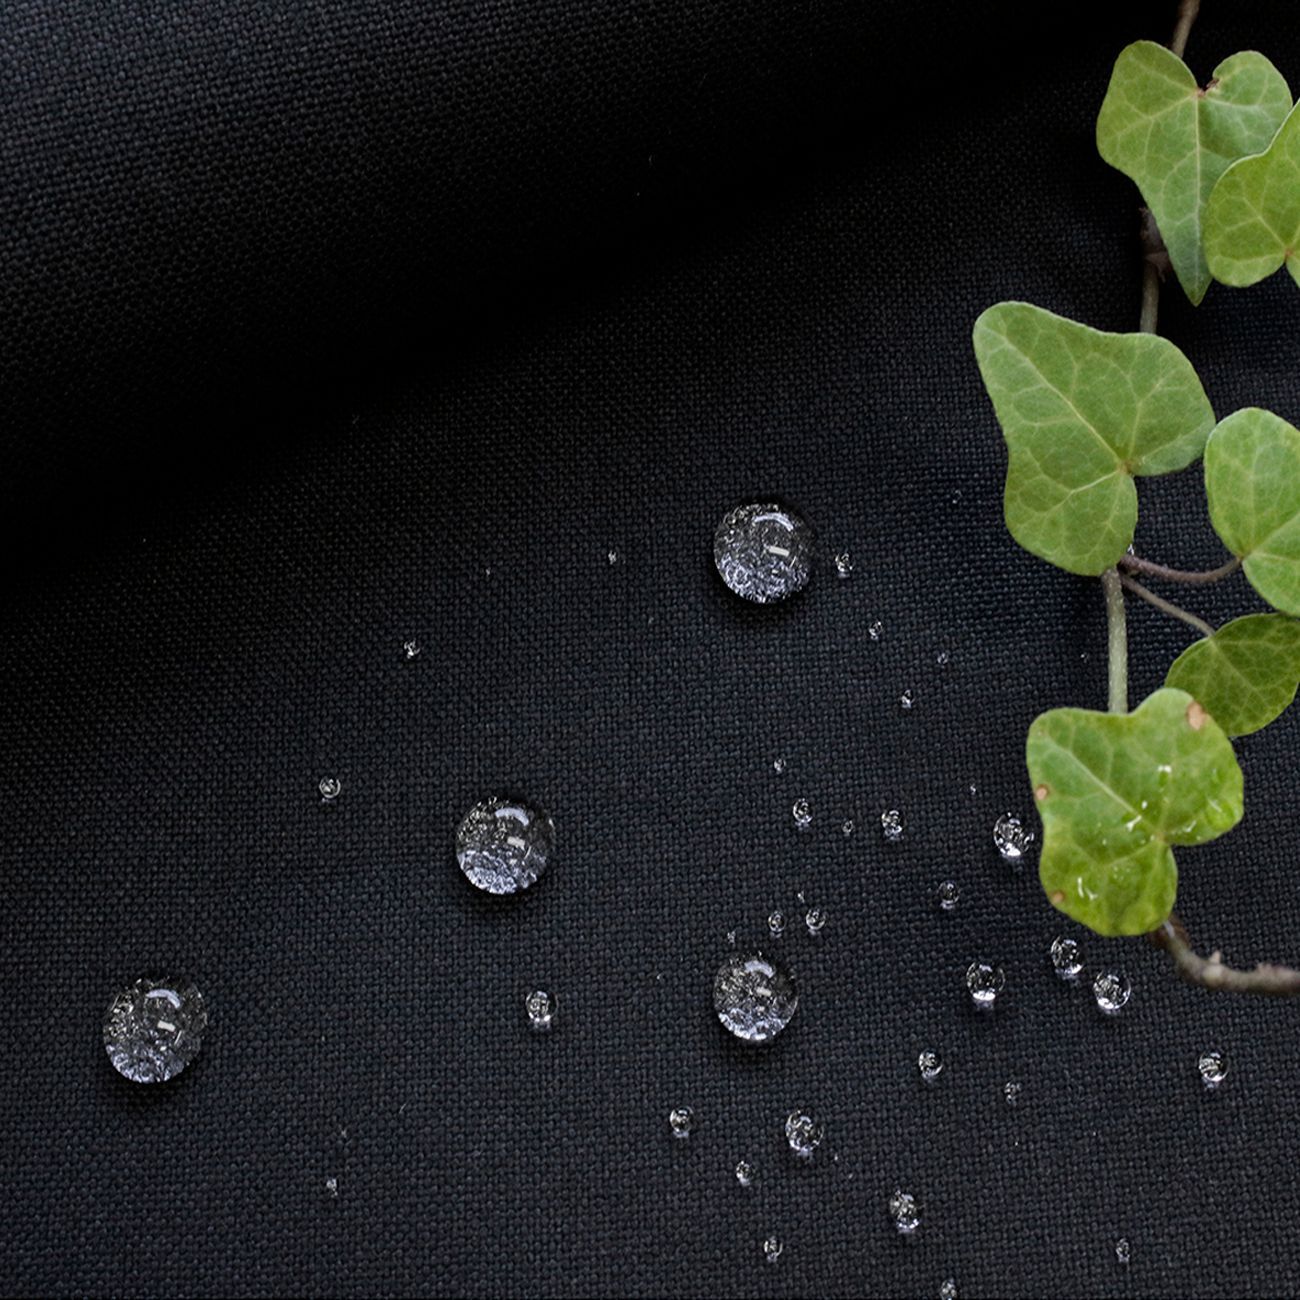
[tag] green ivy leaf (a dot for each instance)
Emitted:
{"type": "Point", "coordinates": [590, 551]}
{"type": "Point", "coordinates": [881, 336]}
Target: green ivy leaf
{"type": "Point", "coordinates": [1115, 791]}
{"type": "Point", "coordinates": [1245, 674]}
{"type": "Point", "coordinates": [1083, 411]}
{"type": "Point", "coordinates": [1252, 482]}
{"type": "Point", "coordinates": [1252, 221]}
{"type": "Point", "coordinates": [1175, 140]}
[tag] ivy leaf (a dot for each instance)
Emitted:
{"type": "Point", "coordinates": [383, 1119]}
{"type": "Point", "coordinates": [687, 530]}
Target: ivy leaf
{"type": "Point", "coordinates": [1252, 483]}
{"type": "Point", "coordinates": [1115, 791]}
{"type": "Point", "coordinates": [1252, 221]}
{"type": "Point", "coordinates": [1245, 674]}
{"type": "Point", "coordinates": [1175, 140]}
{"type": "Point", "coordinates": [1083, 411]}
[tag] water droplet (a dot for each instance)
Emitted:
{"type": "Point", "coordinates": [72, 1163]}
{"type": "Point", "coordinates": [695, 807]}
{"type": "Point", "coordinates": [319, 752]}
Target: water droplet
{"type": "Point", "coordinates": [876, 630]}
{"type": "Point", "coordinates": [764, 553]}
{"type": "Point", "coordinates": [778, 765]}
{"type": "Point", "coordinates": [613, 557]}
{"type": "Point", "coordinates": [679, 1121]}
{"type": "Point", "coordinates": [847, 826]}
{"type": "Point", "coordinates": [504, 845]}
{"type": "Point", "coordinates": [972, 790]}
{"type": "Point", "coordinates": [1123, 1251]}
{"type": "Point", "coordinates": [891, 825]}
{"type": "Point", "coordinates": [411, 649]}
{"type": "Point", "coordinates": [1213, 1068]}
{"type": "Point", "coordinates": [332, 1187]}
{"type": "Point", "coordinates": [948, 1291]}
{"type": "Point", "coordinates": [1112, 991]}
{"type": "Point", "coordinates": [1011, 1091]}
{"type": "Point", "coordinates": [930, 1065]}
{"type": "Point", "coordinates": [754, 997]}
{"type": "Point", "coordinates": [815, 920]}
{"type": "Point", "coordinates": [776, 924]}
{"type": "Point", "coordinates": [541, 1007]}
{"type": "Point", "coordinates": [772, 1249]}
{"type": "Point", "coordinates": [985, 982]}
{"type": "Point", "coordinates": [330, 787]}
{"type": "Point", "coordinates": [744, 1173]}
{"type": "Point", "coordinates": [802, 814]}
{"type": "Point", "coordinates": [843, 564]}
{"type": "Point", "coordinates": [942, 658]}
{"type": "Point", "coordinates": [803, 1133]}
{"type": "Point", "coordinates": [1067, 958]}
{"type": "Point", "coordinates": [906, 700]}
{"type": "Point", "coordinates": [905, 1212]}
{"type": "Point", "coordinates": [1011, 837]}
{"type": "Point", "coordinates": [154, 1028]}
{"type": "Point", "coordinates": [949, 895]}
{"type": "Point", "coordinates": [731, 937]}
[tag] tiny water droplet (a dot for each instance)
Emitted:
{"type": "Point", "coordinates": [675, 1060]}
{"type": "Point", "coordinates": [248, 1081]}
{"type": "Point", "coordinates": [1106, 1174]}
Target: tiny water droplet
{"type": "Point", "coordinates": [815, 920]}
{"type": "Point", "coordinates": [1067, 958]}
{"type": "Point", "coordinates": [612, 557]}
{"type": "Point", "coordinates": [905, 1212]}
{"type": "Point", "coordinates": [679, 1121]}
{"type": "Point", "coordinates": [776, 924]}
{"type": "Point", "coordinates": [411, 649]}
{"type": "Point", "coordinates": [984, 981]}
{"type": "Point", "coordinates": [1123, 1251]}
{"type": "Point", "coordinates": [772, 1249]}
{"type": "Point", "coordinates": [1011, 1091]}
{"type": "Point", "coordinates": [948, 1291]}
{"type": "Point", "coordinates": [930, 1065]}
{"type": "Point", "coordinates": [754, 997]}
{"type": "Point", "coordinates": [891, 825]}
{"type": "Point", "coordinates": [744, 1173]}
{"type": "Point", "coordinates": [504, 845]}
{"type": "Point", "coordinates": [802, 814]}
{"type": "Point", "coordinates": [1213, 1068]}
{"type": "Point", "coordinates": [906, 700]}
{"type": "Point", "coordinates": [731, 937]}
{"type": "Point", "coordinates": [541, 1008]}
{"type": "Point", "coordinates": [332, 1187]}
{"type": "Point", "coordinates": [330, 787]}
{"type": "Point", "coordinates": [949, 895]}
{"type": "Point", "coordinates": [764, 553]}
{"type": "Point", "coordinates": [1112, 990]}
{"type": "Point", "coordinates": [1011, 837]}
{"type": "Point", "coordinates": [803, 1133]}
{"type": "Point", "coordinates": [942, 658]}
{"type": "Point", "coordinates": [843, 564]}
{"type": "Point", "coordinates": [876, 630]}
{"type": "Point", "coordinates": [847, 826]}
{"type": "Point", "coordinates": [154, 1028]}
{"type": "Point", "coordinates": [778, 765]}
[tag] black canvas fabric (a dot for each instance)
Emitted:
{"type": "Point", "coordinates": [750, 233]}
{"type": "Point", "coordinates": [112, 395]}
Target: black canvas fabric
{"type": "Point", "coordinates": [333, 327]}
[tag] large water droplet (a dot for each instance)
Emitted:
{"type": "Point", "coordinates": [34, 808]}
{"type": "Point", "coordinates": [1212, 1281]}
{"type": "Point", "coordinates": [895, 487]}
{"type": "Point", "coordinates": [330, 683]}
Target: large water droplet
{"type": "Point", "coordinates": [1213, 1069]}
{"type": "Point", "coordinates": [905, 1212]}
{"type": "Point", "coordinates": [154, 1028]}
{"type": "Point", "coordinates": [504, 845]}
{"type": "Point", "coordinates": [754, 997]}
{"type": "Point", "coordinates": [985, 982]}
{"type": "Point", "coordinates": [949, 895]}
{"type": "Point", "coordinates": [1067, 958]}
{"type": "Point", "coordinates": [1112, 990]}
{"type": "Point", "coordinates": [930, 1065]}
{"type": "Point", "coordinates": [680, 1119]}
{"type": "Point", "coordinates": [803, 1133]}
{"type": "Point", "coordinates": [1011, 837]}
{"type": "Point", "coordinates": [541, 1008]}
{"type": "Point", "coordinates": [764, 553]}
{"type": "Point", "coordinates": [802, 814]}
{"type": "Point", "coordinates": [891, 825]}
{"type": "Point", "coordinates": [772, 1249]}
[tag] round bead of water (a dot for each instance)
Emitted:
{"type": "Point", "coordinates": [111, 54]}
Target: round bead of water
{"type": "Point", "coordinates": [1011, 837]}
{"type": "Point", "coordinates": [905, 1212]}
{"type": "Point", "coordinates": [744, 1173]}
{"type": "Point", "coordinates": [984, 982]}
{"type": "Point", "coordinates": [540, 1007]}
{"type": "Point", "coordinates": [763, 552]}
{"type": "Point", "coordinates": [930, 1065]}
{"type": "Point", "coordinates": [754, 997]}
{"type": "Point", "coordinates": [1067, 958]}
{"type": "Point", "coordinates": [154, 1028]}
{"type": "Point", "coordinates": [504, 845]}
{"type": "Point", "coordinates": [949, 895]}
{"type": "Point", "coordinates": [772, 1249]}
{"type": "Point", "coordinates": [680, 1119]}
{"type": "Point", "coordinates": [1213, 1069]}
{"type": "Point", "coordinates": [1112, 991]}
{"type": "Point", "coordinates": [803, 1133]}
{"type": "Point", "coordinates": [891, 825]}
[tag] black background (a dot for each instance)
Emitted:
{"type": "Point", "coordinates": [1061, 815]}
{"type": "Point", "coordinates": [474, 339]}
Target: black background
{"type": "Point", "coordinates": [328, 326]}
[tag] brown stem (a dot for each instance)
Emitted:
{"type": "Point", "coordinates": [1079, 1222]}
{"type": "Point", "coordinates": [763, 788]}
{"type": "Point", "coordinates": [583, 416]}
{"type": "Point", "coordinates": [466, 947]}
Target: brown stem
{"type": "Point", "coordinates": [1167, 606]}
{"type": "Point", "coordinates": [1134, 564]}
{"type": "Point", "coordinates": [1186, 17]}
{"type": "Point", "coordinates": [1211, 973]}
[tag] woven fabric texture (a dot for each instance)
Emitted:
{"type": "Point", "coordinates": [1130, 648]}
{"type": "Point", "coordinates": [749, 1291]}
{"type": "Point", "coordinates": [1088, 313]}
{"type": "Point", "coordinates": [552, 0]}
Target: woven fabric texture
{"type": "Point", "coordinates": [240, 484]}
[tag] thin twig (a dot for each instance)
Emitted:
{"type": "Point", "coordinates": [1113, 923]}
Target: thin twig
{"type": "Point", "coordinates": [1186, 17]}
{"type": "Point", "coordinates": [1211, 973]}
{"type": "Point", "coordinates": [1167, 606]}
{"type": "Point", "coordinates": [1135, 564]}
{"type": "Point", "coordinates": [1116, 641]}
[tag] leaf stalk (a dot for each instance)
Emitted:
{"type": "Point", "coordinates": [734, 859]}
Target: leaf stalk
{"type": "Point", "coordinates": [1166, 606]}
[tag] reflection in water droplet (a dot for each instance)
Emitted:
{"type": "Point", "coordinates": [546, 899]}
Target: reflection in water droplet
{"type": "Point", "coordinates": [1112, 991]}
{"type": "Point", "coordinates": [764, 553]}
{"type": "Point", "coordinates": [1067, 958]}
{"type": "Point", "coordinates": [330, 787]}
{"type": "Point", "coordinates": [503, 845]}
{"type": "Point", "coordinates": [744, 1173]}
{"type": "Point", "coordinates": [985, 982]}
{"type": "Point", "coordinates": [843, 564]}
{"type": "Point", "coordinates": [1011, 1091]}
{"type": "Point", "coordinates": [154, 1028]}
{"type": "Point", "coordinates": [1123, 1251]}
{"type": "Point", "coordinates": [776, 924]}
{"type": "Point", "coordinates": [772, 1249]}
{"type": "Point", "coordinates": [803, 1133]}
{"type": "Point", "coordinates": [1213, 1068]}
{"type": "Point", "coordinates": [906, 700]}
{"type": "Point", "coordinates": [949, 895]}
{"type": "Point", "coordinates": [541, 1008]}
{"type": "Point", "coordinates": [876, 630]}
{"type": "Point", "coordinates": [754, 997]}
{"type": "Point", "coordinates": [1011, 837]}
{"type": "Point", "coordinates": [905, 1212]}
{"type": "Point", "coordinates": [891, 825]}
{"type": "Point", "coordinates": [679, 1121]}
{"type": "Point", "coordinates": [929, 1065]}
{"type": "Point", "coordinates": [802, 814]}
{"type": "Point", "coordinates": [815, 920]}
